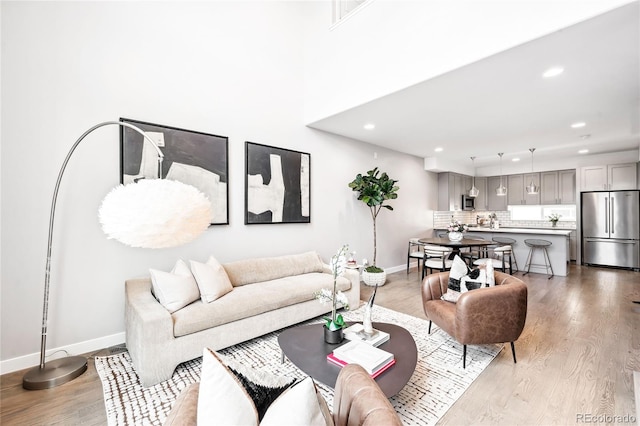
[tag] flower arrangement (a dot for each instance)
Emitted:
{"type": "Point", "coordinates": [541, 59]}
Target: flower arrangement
{"type": "Point", "coordinates": [338, 265]}
{"type": "Point", "coordinates": [554, 218]}
{"type": "Point", "coordinates": [457, 226]}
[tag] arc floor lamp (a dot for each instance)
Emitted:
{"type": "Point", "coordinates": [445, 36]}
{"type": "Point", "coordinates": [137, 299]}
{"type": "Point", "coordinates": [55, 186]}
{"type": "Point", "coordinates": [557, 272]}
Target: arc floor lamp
{"type": "Point", "coordinates": [136, 215]}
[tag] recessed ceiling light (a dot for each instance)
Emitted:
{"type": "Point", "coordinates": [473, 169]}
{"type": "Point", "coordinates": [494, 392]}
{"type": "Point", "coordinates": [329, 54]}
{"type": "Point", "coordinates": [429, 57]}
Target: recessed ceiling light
{"type": "Point", "coordinates": [369, 126]}
{"type": "Point", "coordinates": [583, 151]}
{"type": "Point", "coordinates": [553, 72]}
{"type": "Point", "coordinates": [578, 125]}
{"type": "Point", "coordinates": [515, 159]}
{"type": "Point", "coordinates": [438, 149]}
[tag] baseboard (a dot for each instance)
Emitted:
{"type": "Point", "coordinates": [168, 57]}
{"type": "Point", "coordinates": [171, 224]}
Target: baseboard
{"type": "Point", "coordinates": [393, 269]}
{"type": "Point", "coordinates": [32, 360]}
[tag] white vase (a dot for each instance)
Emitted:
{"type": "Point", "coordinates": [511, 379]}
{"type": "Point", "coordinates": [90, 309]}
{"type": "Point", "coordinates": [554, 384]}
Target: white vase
{"type": "Point", "coordinates": [366, 320]}
{"type": "Point", "coordinates": [455, 236]}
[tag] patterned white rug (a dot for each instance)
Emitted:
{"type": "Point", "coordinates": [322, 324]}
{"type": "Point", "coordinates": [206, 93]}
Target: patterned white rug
{"type": "Point", "coordinates": [439, 379]}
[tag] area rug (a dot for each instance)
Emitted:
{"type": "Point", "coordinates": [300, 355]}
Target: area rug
{"type": "Point", "coordinates": [439, 379]}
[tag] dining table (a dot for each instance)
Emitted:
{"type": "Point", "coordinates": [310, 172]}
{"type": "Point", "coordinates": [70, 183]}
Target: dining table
{"type": "Point", "coordinates": [456, 245]}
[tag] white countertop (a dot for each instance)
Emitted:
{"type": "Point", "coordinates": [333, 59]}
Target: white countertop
{"type": "Point", "coordinates": [536, 231]}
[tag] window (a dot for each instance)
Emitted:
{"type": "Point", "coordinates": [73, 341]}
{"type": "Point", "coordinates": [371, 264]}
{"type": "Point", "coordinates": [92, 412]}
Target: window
{"type": "Point", "coordinates": [567, 213]}
{"type": "Point", "coordinates": [343, 8]}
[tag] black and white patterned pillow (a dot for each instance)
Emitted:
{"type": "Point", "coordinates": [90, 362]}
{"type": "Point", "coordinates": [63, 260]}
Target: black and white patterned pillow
{"type": "Point", "coordinates": [481, 277]}
{"type": "Point", "coordinates": [458, 270]}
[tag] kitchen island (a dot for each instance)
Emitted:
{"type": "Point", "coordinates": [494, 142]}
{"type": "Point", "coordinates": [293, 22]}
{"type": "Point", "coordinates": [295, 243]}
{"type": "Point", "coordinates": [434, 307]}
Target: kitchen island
{"type": "Point", "coordinates": [558, 251]}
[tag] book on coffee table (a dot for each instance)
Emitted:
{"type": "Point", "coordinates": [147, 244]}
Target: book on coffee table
{"type": "Point", "coordinates": [332, 359]}
{"type": "Point", "coordinates": [356, 332]}
{"type": "Point", "coordinates": [372, 359]}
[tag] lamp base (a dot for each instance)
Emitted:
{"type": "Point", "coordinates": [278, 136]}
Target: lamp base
{"type": "Point", "coordinates": [54, 373]}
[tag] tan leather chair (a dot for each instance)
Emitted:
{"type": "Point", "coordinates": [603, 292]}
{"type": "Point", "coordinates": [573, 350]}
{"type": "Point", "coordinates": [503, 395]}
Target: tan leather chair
{"type": "Point", "coordinates": [357, 401]}
{"type": "Point", "coordinates": [489, 315]}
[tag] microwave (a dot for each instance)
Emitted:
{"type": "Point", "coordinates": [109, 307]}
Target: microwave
{"type": "Point", "coordinates": [468, 203]}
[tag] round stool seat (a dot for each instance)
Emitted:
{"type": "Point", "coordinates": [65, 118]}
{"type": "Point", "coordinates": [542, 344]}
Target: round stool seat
{"type": "Point", "coordinates": [537, 243]}
{"type": "Point", "coordinates": [504, 240]}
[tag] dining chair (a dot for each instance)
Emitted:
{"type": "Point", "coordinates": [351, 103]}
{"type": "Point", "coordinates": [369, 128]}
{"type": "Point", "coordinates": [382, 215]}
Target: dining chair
{"type": "Point", "coordinates": [501, 258]}
{"type": "Point", "coordinates": [436, 257]}
{"type": "Point", "coordinates": [415, 252]}
{"type": "Point", "coordinates": [474, 253]}
{"type": "Point", "coordinates": [505, 241]}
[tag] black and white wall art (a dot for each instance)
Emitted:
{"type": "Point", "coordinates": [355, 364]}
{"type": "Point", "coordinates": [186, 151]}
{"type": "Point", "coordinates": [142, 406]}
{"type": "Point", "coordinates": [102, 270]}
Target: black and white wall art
{"type": "Point", "coordinates": [195, 158]}
{"type": "Point", "coordinates": [277, 185]}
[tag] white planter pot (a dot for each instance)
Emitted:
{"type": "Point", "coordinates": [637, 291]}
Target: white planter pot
{"type": "Point", "coordinates": [373, 278]}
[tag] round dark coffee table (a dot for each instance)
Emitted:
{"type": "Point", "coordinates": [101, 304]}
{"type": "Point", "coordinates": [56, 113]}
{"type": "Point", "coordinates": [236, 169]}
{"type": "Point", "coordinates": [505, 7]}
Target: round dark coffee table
{"type": "Point", "coordinates": [305, 347]}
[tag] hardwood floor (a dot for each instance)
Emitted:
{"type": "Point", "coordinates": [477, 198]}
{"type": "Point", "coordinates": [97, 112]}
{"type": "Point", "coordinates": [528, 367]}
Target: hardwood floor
{"type": "Point", "coordinates": [576, 357]}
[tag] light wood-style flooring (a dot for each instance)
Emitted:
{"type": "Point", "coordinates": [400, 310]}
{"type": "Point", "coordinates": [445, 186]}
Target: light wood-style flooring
{"type": "Point", "coordinates": [576, 357]}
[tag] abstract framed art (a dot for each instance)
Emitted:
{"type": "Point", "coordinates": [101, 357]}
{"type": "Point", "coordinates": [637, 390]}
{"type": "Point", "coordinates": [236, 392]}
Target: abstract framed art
{"type": "Point", "coordinates": [277, 185]}
{"type": "Point", "coordinates": [195, 158]}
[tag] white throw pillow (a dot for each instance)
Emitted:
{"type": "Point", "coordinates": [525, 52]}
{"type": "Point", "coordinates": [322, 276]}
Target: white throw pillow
{"type": "Point", "coordinates": [298, 405]}
{"type": "Point", "coordinates": [175, 289]}
{"type": "Point", "coordinates": [212, 279]}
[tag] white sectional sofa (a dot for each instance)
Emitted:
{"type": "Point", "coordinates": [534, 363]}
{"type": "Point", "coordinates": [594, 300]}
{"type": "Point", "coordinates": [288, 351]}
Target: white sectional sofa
{"type": "Point", "coordinates": [268, 294]}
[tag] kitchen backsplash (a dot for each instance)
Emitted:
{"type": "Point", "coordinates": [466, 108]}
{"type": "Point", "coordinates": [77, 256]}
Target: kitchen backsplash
{"type": "Point", "coordinates": [442, 220]}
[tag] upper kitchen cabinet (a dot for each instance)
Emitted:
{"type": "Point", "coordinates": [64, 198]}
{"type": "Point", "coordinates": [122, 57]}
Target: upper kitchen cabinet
{"type": "Point", "coordinates": [482, 201]}
{"type": "Point", "coordinates": [495, 202]}
{"type": "Point", "coordinates": [558, 187]}
{"type": "Point", "coordinates": [609, 177]}
{"type": "Point", "coordinates": [451, 187]}
{"type": "Point", "coordinates": [516, 189]}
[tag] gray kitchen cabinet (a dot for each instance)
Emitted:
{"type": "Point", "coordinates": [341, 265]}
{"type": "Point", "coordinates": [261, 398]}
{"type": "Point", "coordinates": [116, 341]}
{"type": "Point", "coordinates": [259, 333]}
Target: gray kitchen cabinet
{"type": "Point", "coordinates": [609, 177]}
{"type": "Point", "coordinates": [558, 187]}
{"type": "Point", "coordinates": [494, 202]}
{"type": "Point", "coordinates": [516, 189]}
{"type": "Point", "coordinates": [451, 186]}
{"type": "Point", "coordinates": [481, 202]}
{"type": "Point", "coordinates": [567, 186]}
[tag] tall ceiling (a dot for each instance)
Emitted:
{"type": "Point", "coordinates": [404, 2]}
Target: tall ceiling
{"type": "Point", "coordinates": [503, 103]}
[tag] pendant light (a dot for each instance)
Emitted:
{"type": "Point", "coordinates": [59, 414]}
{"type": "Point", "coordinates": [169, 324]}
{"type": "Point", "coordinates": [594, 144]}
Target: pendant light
{"type": "Point", "coordinates": [501, 191]}
{"type": "Point", "coordinates": [532, 189]}
{"type": "Point", "coordinates": [473, 192]}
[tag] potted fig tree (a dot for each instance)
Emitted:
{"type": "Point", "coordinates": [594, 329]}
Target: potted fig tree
{"type": "Point", "coordinates": [374, 189]}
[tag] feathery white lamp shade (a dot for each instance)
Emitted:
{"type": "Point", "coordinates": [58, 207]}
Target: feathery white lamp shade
{"type": "Point", "coordinates": [154, 213]}
{"type": "Point", "coordinates": [175, 219]}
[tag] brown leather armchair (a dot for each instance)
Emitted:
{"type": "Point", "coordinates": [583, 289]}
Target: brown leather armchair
{"type": "Point", "coordinates": [490, 315]}
{"type": "Point", "coordinates": [358, 401]}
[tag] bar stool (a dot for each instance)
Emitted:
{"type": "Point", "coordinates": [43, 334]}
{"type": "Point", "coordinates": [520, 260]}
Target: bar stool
{"type": "Point", "coordinates": [508, 242]}
{"type": "Point", "coordinates": [542, 245]}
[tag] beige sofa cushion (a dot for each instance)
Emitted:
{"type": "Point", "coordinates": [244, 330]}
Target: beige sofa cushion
{"type": "Point", "coordinates": [253, 299]}
{"type": "Point", "coordinates": [251, 271]}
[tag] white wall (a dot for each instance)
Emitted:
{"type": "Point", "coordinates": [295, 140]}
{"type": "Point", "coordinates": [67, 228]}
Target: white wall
{"type": "Point", "coordinates": [393, 44]}
{"type": "Point", "coordinates": [229, 68]}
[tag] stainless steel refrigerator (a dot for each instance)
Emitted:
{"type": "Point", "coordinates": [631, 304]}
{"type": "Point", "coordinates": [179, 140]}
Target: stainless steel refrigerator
{"type": "Point", "coordinates": [611, 228]}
